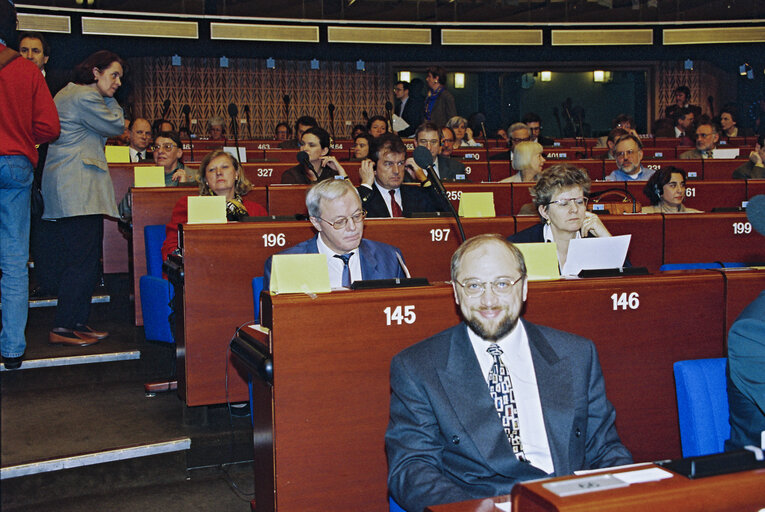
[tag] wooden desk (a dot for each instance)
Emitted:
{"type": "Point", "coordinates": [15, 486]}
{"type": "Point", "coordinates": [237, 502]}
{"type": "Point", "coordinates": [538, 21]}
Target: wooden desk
{"type": "Point", "coordinates": [115, 247]}
{"type": "Point", "coordinates": [318, 443]}
{"type": "Point", "coordinates": [694, 168]}
{"type": "Point", "coordinates": [703, 195]}
{"type": "Point", "coordinates": [711, 237]}
{"type": "Point", "coordinates": [754, 187]}
{"type": "Point", "coordinates": [718, 169]}
{"type": "Point", "coordinates": [734, 492]}
{"type": "Point", "coordinates": [741, 288]}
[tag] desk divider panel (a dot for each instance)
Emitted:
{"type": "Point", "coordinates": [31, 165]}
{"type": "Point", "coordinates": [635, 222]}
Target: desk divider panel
{"type": "Point", "coordinates": [754, 187]}
{"type": "Point", "coordinates": [718, 169]}
{"type": "Point", "coordinates": [115, 247]}
{"type": "Point", "coordinates": [741, 288]}
{"type": "Point", "coordinates": [702, 195]}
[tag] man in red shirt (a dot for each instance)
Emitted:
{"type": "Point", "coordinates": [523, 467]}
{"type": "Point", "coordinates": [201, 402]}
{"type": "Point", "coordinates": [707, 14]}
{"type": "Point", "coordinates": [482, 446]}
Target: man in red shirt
{"type": "Point", "coordinates": [29, 118]}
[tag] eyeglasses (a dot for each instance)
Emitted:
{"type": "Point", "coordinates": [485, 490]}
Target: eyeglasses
{"type": "Point", "coordinates": [703, 135]}
{"type": "Point", "coordinates": [446, 141]}
{"type": "Point", "coordinates": [563, 203]}
{"type": "Point", "coordinates": [517, 140]}
{"type": "Point", "coordinates": [357, 218]}
{"type": "Point", "coordinates": [500, 286]}
{"type": "Point", "coordinates": [166, 146]}
{"type": "Point", "coordinates": [424, 142]}
{"type": "Point", "coordinates": [629, 152]}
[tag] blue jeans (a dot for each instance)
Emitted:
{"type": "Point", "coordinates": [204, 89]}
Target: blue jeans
{"type": "Point", "coordinates": [16, 176]}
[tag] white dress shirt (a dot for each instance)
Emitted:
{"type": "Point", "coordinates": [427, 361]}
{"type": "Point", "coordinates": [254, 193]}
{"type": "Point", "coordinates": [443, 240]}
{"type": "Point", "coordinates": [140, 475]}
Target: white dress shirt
{"type": "Point", "coordinates": [335, 265]}
{"type": "Point", "coordinates": [516, 355]}
{"type": "Point", "coordinates": [134, 153]}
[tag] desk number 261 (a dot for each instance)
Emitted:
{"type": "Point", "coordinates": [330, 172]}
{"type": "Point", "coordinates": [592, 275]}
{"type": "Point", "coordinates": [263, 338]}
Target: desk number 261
{"type": "Point", "coordinates": [399, 314]}
{"type": "Point", "coordinates": [625, 301]}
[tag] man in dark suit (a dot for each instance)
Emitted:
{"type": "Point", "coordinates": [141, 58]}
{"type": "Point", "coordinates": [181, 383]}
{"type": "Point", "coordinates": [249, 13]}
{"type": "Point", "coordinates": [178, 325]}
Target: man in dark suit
{"type": "Point", "coordinates": [382, 176]}
{"type": "Point", "coordinates": [335, 211]}
{"type": "Point", "coordinates": [407, 108]}
{"type": "Point", "coordinates": [448, 169]}
{"type": "Point", "coordinates": [468, 422]}
{"type": "Point", "coordinates": [534, 122]}
{"type": "Point", "coordinates": [139, 135]}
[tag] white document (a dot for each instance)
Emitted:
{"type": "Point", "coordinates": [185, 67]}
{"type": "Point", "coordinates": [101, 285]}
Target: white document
{"type": "Point", "coordinates": [231, 150]}
{"type": "Point", "coordinates": [725, 153]}
{"type": "Point", "coordinates": [595, 253]}
{"type": "Point", "coordinates": [399, 124]}
{"type": "Point", "coordinates": [643, 475]}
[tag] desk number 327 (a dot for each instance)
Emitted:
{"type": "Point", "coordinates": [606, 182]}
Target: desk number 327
{"type": "Point", "coordinates": [399, 314]}
{"type": "Point", "coordinates": [625, 301]}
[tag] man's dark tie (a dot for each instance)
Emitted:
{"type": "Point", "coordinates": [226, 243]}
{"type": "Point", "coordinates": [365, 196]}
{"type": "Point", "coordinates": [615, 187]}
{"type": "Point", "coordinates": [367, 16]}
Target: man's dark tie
{"type": "Point", "coordinates": [395, 209]}
{"type": "Point", "coordinates": [501, 389]}
{"type": "Point", "coordinates": [346, 281]}
{"type": "Point", "coordinates": [138, 156]}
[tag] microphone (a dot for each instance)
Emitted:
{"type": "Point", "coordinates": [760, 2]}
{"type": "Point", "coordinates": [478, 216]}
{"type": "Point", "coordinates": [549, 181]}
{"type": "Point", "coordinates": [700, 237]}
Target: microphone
{"type": "Point", "coordinates": [186, 111]}
{"type": "Point", "coordinates": [302, 158]}
{"type": "Point", "coordinates": [233, 111]}
{"type": "Point", "coordinates": [389, 110]}
{"type": "Point", "coordinates": [286, 99]}
{"type": "Point", "coordinates": [365, 115]}
{"type": "Point", "coordinates": [486, 147]}
{"type": "Point", "coordinates": [424, 159]}
{"type": "Point", "coordinates": [331, 109]}
{"type": "Point", "coordinates": [165, 108]}
{"type": "Point", "coordinates": [247, 115]}
{"type": "Point", "coordinates": [755, 213]}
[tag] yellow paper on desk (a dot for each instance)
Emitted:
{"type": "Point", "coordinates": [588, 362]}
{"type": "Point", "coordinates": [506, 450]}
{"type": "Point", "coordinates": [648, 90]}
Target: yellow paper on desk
{"type": "Point", "coordinates": [117, 154]}
{"type": "Point", "coordinates": [477, 204]}
{"type": "Point", "coordinates": [299, 273]}
{"type": "Point", "coordinates": [207, 210]}
{"type": "Point", "coordinates": [541, 260]}
{"type": "Point", "coordinates": [149, 176]}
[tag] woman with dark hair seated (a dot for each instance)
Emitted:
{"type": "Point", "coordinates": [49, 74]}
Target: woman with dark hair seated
{"type": "Point", "coordinates": [321, 165]}
{"type": "Point", "coordinates": [219, 174]}
{"type": "Point", "coordinates": [361, 147]}
{"type": "Point", "coordinates": [377, 125]}
{"type": "Point", "coordinates": [560, 196]}
{"type": "Point", "coordinates": [665, 190]}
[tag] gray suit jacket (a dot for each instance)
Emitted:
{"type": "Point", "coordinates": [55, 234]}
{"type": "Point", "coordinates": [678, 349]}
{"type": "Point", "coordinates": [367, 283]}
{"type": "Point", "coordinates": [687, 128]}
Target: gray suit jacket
{"type": "Point", "coordinates": [445, 442]}
{"type": "Point", "coordinates": [76, 178]}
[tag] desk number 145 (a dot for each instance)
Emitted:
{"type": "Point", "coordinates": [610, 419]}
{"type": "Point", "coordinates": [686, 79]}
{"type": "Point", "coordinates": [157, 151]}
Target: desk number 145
{"type": "Point", "coordinates": [399, 314]}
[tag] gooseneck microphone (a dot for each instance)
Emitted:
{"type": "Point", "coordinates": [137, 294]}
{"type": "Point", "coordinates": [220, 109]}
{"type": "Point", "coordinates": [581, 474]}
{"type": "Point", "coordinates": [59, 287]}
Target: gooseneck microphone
{"type": "Point", "coordinates": [165, 109]}
{"type": "Point", "coordinates": [186, 111]}
{"type": "Point", "coordinates": [233, 111]}
{"type": "Point", "coordinates": [389, 111]}
{"type": "Point", "coordinates": [303, 158]}
{"type": "Point", "coordinates": [424, 159]}
{"type": "Point", "coordinates": [247, 115]}
{"type": "Point", "coordinates": [331, 109]}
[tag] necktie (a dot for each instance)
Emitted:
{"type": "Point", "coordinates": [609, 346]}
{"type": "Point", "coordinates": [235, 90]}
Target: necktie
{"type": "Point", "coordinates": [138, 156]}
{"type": "Point", "coordinates": [395, 209]}
{"type": "Point", "coordinates": [346, 280]}
{"type": "Point", "coordinates": [501, 389]}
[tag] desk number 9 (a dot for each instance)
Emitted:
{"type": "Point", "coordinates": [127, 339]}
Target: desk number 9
{"type": "Point", "coordinates": [622, 300]}
{"type": "Point", "coordinates": [274, 240]}
{"type": "Point", "coordinates": [742, 228]}
{"type": "Point", "coordinates": [439, 235]}
{"type": "Point", "coordinates": [399, 314]}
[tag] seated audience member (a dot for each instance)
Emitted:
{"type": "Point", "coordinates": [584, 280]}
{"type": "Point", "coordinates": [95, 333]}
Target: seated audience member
{"type": "Point", "coordinates": [447, 141]}
{"type": "Point", "coordinates": [377, 125]}
{"type": "Point", "coordinates": [755, 167]}
{"type": "Point", "coordinates": [527, 160]}
{"type": "Point", "coordinates": [560, 196]}
{"type": "Point", "coordinates": [360, 147]}
{"type": "Point", "coordinates": [282, 132]}
{"type": "Point", "coordinates": [682, 100]}
{"type": "Point", "coordinates": [139, 131]}
{"type": "Point", "coordinates": [167, 152]}
{"type": "Point", "coordinates": [219, 174]}
{"type": "Point", "coordinates": [495, 400]}
{"type": "Point", "coordinates": [729, 124]}
{"type": "Point", "coordinates": [611, 139]}
{"type": "Point", "coordinates": [382, 176]}
{"type": "Point", "coordinates": [462, 137]}
{"type": "Point", "coordinates": [746, 359]}
{"type": "Point", "coordinates": [448, 169]}
{"type": "Point", "coordinates": [685, 126]}
{"type": "Point", "coordinates": [357, 129]}
{"type": "Point", "coordinates": [519, 132]}
{"type": "Point", "coordinates": [707, 136]}
{"type": "Point", "coordinates": [666, 191]}
{"type": "Point", "coordinates": [534, 122]}
{"type": "Point", "coordinates": [623, 121]}
{"type": "Point", "coordinates": [316, 143]}
{"type": "Point", "coordinates": [161, 125]}
{"type": "Point", "coordinates": [120, 140]}
{"type": "Point", "coordinates": [502, 134]}
{"type": "Point", "coordinates": [628, 151]}
{"type": "Point", "coordinates": [216, 128]}
{"type": "Point", "coordinates": [302, 124]}
{"type": "Point", "coordinates": [335, 210]}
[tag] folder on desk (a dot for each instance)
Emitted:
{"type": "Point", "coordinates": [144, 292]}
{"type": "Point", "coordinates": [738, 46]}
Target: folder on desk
{"type": "Point", "coordinates": [476, 204]}
{"type": "Point", "coordinates": [117, 154]}
{"type": "Point", "coordinates": [149, 176]}
{"type": "Point", "coordinates": [299, 273]}
{"type": "Point", "coordinates": [207, 210]}
{"type": "Point", "coordinates": [541, 260]}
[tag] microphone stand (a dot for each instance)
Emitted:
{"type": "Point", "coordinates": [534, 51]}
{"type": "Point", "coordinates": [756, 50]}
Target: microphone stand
{"type": "Point", "coordinates": [436, 180]}
{"type": "Point", "coordinates": [186, 111]}
{"type": "Point", "coordinates": [247, 115]}
{"type": "Point", "coordinates": [331, 109]}
{"type": "Point", "coordinates": [486, 147]}
{"type": "Point", "coordinates": [236, 131]}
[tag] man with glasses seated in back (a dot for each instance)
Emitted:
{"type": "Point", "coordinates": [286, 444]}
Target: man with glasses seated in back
{"type": "Point", "coordinates": [429, 136]}
{"type": "Point", "coordinates": [707, 136]}
{"type": "Point", "coordinates": [628, 151]}
{"type": "Point", "coordinates": [335, 211]}
{"type": "Point", "coordinates": [494, 400]}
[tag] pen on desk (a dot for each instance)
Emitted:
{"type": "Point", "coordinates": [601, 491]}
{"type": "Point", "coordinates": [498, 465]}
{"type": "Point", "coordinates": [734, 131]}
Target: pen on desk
{"type": "Point", "coordinates": [401, 262]}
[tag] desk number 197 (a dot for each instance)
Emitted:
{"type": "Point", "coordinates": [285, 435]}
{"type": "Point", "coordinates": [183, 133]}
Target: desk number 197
{"type": "Point", "coordinates": [624, 301]}
{"type": "Point", "coordinates": [399, 314]}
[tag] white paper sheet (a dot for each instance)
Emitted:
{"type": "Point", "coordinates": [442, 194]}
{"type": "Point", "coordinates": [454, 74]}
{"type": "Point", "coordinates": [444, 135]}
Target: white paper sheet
{"type": "Point", "coordinates": [595, 253]}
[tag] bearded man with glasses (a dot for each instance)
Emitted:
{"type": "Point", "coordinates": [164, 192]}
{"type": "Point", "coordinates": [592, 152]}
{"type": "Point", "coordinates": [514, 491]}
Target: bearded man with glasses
{"type": "Point", "coordinates": [495, 400]}
{"type": "Point", "coordinates": [628, 152]}
{"type": "Point", "coordinates": [335, 211]}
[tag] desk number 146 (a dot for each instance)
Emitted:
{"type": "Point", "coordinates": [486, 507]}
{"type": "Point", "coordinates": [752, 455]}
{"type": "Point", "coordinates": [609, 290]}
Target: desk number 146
{"type": "Point", "coordinates": [625, 301]}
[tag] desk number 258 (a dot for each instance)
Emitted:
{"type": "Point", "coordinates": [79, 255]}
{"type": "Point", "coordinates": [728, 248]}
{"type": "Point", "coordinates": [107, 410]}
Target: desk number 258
{"type": "Point", "coordinates": [399, 314]}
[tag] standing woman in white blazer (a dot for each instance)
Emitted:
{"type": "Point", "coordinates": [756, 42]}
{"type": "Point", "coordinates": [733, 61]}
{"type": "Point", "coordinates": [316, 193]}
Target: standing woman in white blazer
{"type": "Point", "coordinates": [77, 190]}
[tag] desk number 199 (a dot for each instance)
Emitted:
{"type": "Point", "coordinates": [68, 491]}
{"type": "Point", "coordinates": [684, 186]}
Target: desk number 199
{"type": "Point", "coordinates": [399, 314]}
{"type": "Point", "coordinates": [624, 301]}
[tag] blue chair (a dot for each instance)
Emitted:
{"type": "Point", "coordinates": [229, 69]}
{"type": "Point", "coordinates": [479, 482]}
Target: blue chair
{"type": "Point", "coordinates": [156, 293]}
{"type": "Point", "coordinates": [690, 266]}
{"type": "Point", "coordinates": [393, 506]}
{"type": "Point", "coordinates": [257, 287]}
{"type": "Point", "coordinates": [702, 405]}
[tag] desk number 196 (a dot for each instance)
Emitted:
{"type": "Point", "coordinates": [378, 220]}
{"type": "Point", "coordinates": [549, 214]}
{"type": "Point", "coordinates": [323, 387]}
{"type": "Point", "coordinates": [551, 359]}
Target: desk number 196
{"type": "Point", "coordinates": [399, 314]}
{"type": "Point", "coordinates": [624, 301]}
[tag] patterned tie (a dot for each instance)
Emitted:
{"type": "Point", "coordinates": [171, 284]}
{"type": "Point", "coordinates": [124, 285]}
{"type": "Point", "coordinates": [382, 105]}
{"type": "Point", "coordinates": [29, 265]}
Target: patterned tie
{"type": "Point", "coordinates": [395, 209]}
{"type": "Point", "coordinates": [501, 389]}
{"type": "Point", "coordinates": [346, 281]}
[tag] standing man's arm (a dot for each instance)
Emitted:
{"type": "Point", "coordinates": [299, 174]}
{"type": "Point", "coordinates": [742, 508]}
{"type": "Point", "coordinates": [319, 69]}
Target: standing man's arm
{"type": "Point", "coordinates": [45, 122]}
{"type": "Point", "coordinates": [414, 446]}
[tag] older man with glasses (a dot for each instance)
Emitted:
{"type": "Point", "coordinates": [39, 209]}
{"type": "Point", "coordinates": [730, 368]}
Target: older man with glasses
{"type": "Point", "coordinates": [628, 152]}
{"type": "Point", "coordinates": [707, 136]}
{"type": "Point", "coordinates": [335, 210]}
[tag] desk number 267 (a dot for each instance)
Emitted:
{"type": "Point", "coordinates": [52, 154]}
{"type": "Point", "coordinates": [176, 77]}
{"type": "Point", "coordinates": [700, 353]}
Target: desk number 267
{"type": "Point", "coordinates": [399, 314]}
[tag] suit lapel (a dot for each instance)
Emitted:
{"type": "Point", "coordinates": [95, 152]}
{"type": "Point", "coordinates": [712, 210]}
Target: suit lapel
{"type": "Point", "coordinates": [554, 378]}
{"type": "Point", "coordinates": [368, 261]}
{"type": "Point", "coordinates": [469, 396]}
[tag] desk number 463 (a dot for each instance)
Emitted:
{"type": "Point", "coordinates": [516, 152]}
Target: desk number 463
{"type": "Point", "coordinates": [399, 314]}
{"type": "Point", "coordinates": [625, 301]}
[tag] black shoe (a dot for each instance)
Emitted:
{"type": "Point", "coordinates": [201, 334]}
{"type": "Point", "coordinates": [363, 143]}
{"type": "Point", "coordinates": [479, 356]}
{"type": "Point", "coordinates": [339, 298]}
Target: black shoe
{"type": "Point", "coordinates": [14, 363]}
{"type": "Point", "coordinates": [240, 410]}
